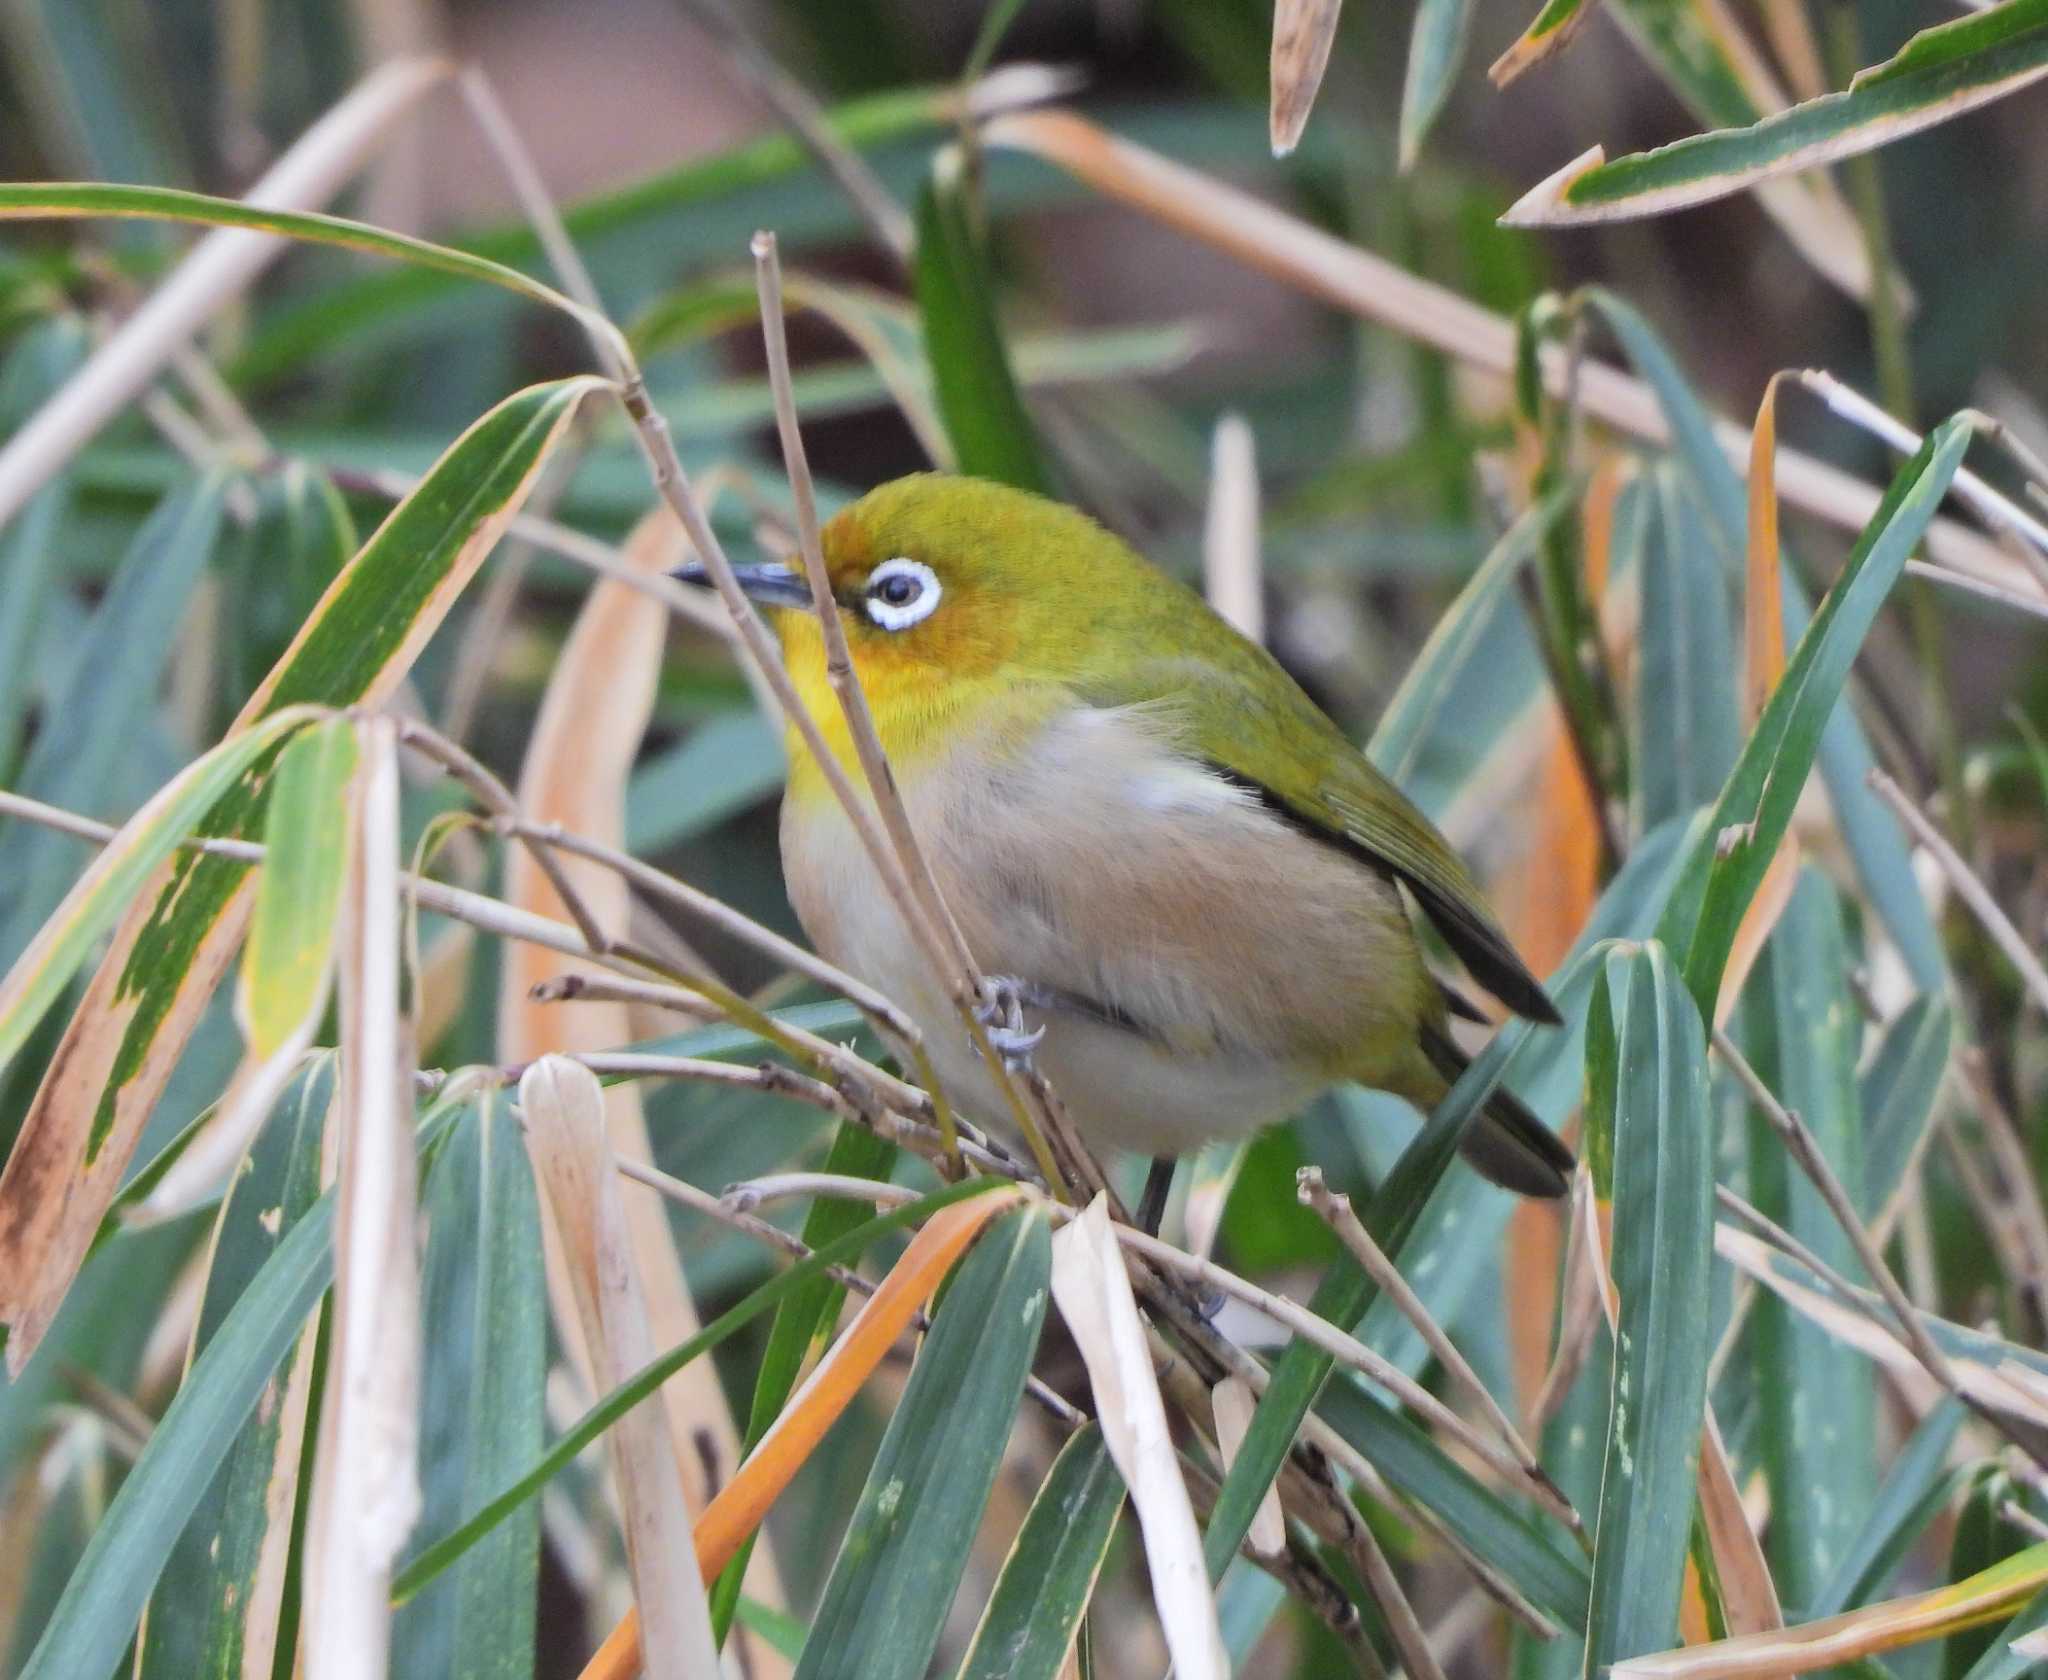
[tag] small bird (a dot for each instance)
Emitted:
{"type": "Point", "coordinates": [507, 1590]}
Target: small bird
{"type": "Point", "coordinates": [1188, 881]}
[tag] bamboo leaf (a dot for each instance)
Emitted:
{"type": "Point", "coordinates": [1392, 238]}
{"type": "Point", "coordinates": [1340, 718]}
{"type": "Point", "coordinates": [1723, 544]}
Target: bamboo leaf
{"type": "Point", "coordinates": [1938, 75]}
{"type": "Point", "coordinates": [803, 1323]}
{"type": "Point", "coordinates": [1649, 1118]}
{"type": "Point", "coordinates": [1897, 1096]}
{"type": "Point", "coordinates": [1687, 732]}
{"type": "Point", "coordinates": [1883, 865]}
{"type": "Point", "coordinates": [433, 1559]}
{"type": "Point", "coordinates": [217, 1605]}
{"type": "Point", "coordinates": [42, 971]}
{"type": "Point", "coordinates": [1436, 51]}
{"type": "Point", "coordinates": [1303, 33]}
{"type": "Point", "coordinates": [2017, 1584]}
{"type": "Point", "coordinates": [1036, 1609]}
{"type": "Point", "coordinates": [181, 927]}
{"type": "Point", "coordinates": [1817, 1420]}
{"type": "Point", "coordinates": [977, 390]}
{"type": "Point", "coordinates": [94, 1621]}
{"type": "Point", "coordinates": [901, 1560]}
{"type": "Point", "coordinates": [1755, 807]}
{"type": "Point", "coordinates": [485, 1313]}
{"type": "Point", "coordinates": [1554, 25]}
{"type": "Point", "coordinates": [100, 710]}
{"type": "Point", "coordinates": [288, 961]}
{"type": "Point", "coordinates": [1553, 1576]}
{"type": "Point", "coordinates": [75, 200]}
{"type": "Point", "coordinates": [1917, 1489]}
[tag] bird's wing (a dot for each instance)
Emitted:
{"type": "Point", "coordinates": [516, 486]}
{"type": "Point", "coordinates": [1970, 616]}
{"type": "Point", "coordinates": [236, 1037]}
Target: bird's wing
{"type": "Point", "coordinates": [1249, 720]}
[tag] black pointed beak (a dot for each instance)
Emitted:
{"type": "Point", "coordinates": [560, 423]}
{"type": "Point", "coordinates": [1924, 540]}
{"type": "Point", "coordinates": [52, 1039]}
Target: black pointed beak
{"type": "Point", "coordinates": [770, 582]}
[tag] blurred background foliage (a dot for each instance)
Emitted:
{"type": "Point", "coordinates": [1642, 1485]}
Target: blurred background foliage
{"type": "Point", "coordinates": [142, 598]}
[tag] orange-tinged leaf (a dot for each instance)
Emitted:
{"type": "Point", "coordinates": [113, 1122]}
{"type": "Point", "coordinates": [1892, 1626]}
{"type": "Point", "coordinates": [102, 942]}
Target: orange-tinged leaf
{"type": "Point", "coordinates": [1985, 1597]}
{"type": "Point", "coordinates": [815, 1407]}
{"type": "Point", "coordinates": [1763, 607]}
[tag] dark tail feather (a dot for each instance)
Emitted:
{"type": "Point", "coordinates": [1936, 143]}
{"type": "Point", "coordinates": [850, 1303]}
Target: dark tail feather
{"type": "Point", "coordinates": [1506, 1144]}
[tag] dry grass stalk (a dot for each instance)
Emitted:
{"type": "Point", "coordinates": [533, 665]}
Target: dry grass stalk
{"type": "Point", "coordinates": [1231, 572]}
{"type": "Point", "coordinates": [366, 1493]}
{"type": "Point", "coordinates": [1094, 1296]}
{"type": "Point", "coordinates": [1335, 1211]}
{"type": "Point", "coordinates": [1233, 1404]}
{"type": "Point", "coordinates": [566, 1134]}
{"type": "Point", "coordinates": [1805, 1151]}
{"type": "Point", "coordinates": [316, 166]}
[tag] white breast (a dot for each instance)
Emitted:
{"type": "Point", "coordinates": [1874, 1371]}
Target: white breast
{"type": "Point", "coordinates": [1105, 863]}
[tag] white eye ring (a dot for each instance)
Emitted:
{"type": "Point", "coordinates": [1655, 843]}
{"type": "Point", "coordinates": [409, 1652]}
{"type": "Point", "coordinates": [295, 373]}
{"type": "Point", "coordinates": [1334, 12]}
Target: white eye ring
{"type": "Point", "coordinates": [912, 609]}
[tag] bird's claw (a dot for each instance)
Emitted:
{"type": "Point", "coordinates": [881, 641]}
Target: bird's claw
{"type": "Point", "coordinates": [1001, 1013]}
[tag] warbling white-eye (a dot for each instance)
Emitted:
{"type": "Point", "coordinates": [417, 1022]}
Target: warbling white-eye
{"type": "Point", "coordinates": [1181, 868]}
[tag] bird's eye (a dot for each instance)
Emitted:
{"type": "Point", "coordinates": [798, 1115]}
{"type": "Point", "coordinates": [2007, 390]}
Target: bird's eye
{"type": "Point", "coordinates": [901, 592]}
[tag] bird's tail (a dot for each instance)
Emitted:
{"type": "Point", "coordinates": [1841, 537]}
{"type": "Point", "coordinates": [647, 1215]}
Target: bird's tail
{"type": "Point", "coordinates": [1507, 1143]}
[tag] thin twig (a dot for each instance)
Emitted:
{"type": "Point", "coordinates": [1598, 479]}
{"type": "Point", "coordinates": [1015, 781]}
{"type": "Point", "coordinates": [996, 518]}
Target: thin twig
{"type": "Point", "coordinates": [1799, 1141]}
{"type": "Point", "coordinates": [722, 916]}
{"type": "Point", "coordinates": [957, 966]}
{"type": "Point", "coordinates": [1335, 1211]}
{"type": "Point", "coordinates": [1968, 887]}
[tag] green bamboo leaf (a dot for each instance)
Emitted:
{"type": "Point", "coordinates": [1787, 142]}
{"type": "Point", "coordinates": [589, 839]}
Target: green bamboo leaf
{"type": "Point", "coordinates": [90, 1630]}
{"type": "Point", "coordinates": [1756, 804]}
{"type": "Point", "coordinates": [1436, 50]}
{"type": "Point", "coordinates": [1574, 1452]}
{"type": "Point", "coordinates": [1916, 1490]}
{"type": "Point", "coordinates": [1035, 1611]}
{"type": "Point", "coordinates": [803, 1324]}
{"type": "Point", "coordinates": [286, 964]}
{"type": "Point", "coordinates": [346, 312]}
{"type": "Point", "coordinates": [30, 553]}
{"type": "Point", "coordinates": [124, 864]}
{"type": "Point", "coordinates": [1939, 74]}
{"type": "Point", "coordinates": [76, 200]}
{"type": "Point", "coordinates": [484, 1319]}
{"type": "Point", "coordinates": [1548, 30]}
{"type": "Point", "coordinates": [1817, 1418]}
{"type": "Point", "coordinates": [1433, 697]}
{"type": "Point", "coordinates": [1982, 1540]}
{"type": "Point", "coordinates": [1883, 865]}
{"type": "Point", "coordinates": [1552, 1575]}
{"type": "Point", "coordinates": [1686, 723]}
{"type": "Point", "coordinates": [1897, 1096]}
{"type": "Point", "coordinates": [1649, 1125]}
{"type": "Point", "coordinates": [99, 715]}
{"type": "Point", "coordinates": [275, 569]}
{"type": "Point", "coordinates": [435, 1558]}
{"type": "Point", "coordinates": [186, 916]}
{"type": "Point", "coordinates": [992, 434]}
{"type": "Point", "coordinates": [224, 1579]}
{"type": "Point", "coordinates": [904, 1551]}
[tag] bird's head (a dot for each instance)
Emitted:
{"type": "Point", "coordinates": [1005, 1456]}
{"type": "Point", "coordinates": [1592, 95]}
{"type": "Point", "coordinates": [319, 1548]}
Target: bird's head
{"type": "Point", "coordinates": [940, 580]}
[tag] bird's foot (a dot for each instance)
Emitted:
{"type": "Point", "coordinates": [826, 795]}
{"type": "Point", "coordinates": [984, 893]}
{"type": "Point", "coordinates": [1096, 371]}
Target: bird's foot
{"type": "Point", "coordinates": [1001, 1013]}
